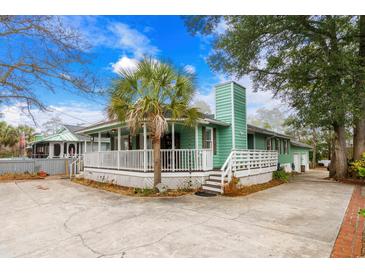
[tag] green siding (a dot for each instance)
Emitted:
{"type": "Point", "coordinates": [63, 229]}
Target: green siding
{"type": "Point", "coordinates": [240, 116]}
{"type": "Point", "coordinates": [260, 141]}
{"type": "Point", "coordinates": [187, 136]}
{"type": "Point", "coordinates": [286, 158]}
{"type": "Point", "coordinates": [301, 150]}
{"type": "Point", "coordinates": [224, 108]}
{"type": "Point", "coordinates": [223, 113]}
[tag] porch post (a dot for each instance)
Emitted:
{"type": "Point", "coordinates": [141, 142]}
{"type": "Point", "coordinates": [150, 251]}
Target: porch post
{"type": "Point", "coordinates": [50, 150]}
{"type": "Point", "coordinates": [119, 133]}
{"type": "Point", "coordinates": [144, 147]}
{"type": "Point", "coordinates": [173, 145]}
{"type": "Point", "coordinates": [85, 147]}
{"type": "Point", "coordinates": [118, 147]}
{"type": "Point", "coordinates": [196, 147]}
{"type": "Point", "coordinates": [99, 141]}
{"type": "Point", "coordinates": [67, 147]}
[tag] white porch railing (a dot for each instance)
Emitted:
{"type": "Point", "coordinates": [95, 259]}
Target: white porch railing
{"type": "Point", "coordinates": [248, 159]}
{"type": "Point", "coordinates": [142, 160]}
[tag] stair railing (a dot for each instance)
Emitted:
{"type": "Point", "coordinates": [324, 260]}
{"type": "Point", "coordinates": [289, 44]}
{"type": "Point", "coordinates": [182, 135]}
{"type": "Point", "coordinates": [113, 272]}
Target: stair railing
{"type": "Point", "coordinates": [227, 168]}
{"type": "Point", "coordinates": [76, 165]}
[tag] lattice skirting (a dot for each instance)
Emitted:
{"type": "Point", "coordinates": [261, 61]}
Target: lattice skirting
{"type": "Point", "coordinates": [145, 180]}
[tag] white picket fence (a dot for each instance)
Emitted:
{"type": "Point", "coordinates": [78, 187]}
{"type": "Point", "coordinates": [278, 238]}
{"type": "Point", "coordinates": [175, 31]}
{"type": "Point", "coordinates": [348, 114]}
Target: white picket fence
{"type": "Point", "coordinates": [142, 160]}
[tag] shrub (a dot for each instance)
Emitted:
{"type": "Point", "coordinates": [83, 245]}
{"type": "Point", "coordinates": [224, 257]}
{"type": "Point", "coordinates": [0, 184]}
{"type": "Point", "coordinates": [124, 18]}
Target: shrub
{"type": "Point", "coordinates": [231, 187]}
{"type": "Point", "coordinates": [145, 191]}
{"type": "Point", "coordinates": [280, 175]}
{"type": "Point", "coordinates": [358, 167]}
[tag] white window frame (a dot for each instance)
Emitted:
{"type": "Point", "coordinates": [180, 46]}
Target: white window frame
{"type": "Point", "coordinates": [211, 137]}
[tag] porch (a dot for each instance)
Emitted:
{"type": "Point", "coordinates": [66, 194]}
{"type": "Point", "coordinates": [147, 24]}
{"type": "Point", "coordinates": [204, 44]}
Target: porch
{"type": "Point", "coordinates": [142, 160]}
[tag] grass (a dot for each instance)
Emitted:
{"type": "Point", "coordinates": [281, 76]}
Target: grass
{"type": "Point", "coordinates": [5, 177]}
{"type": "Point", "coordinates": [132, 191]}
{"type": "Point", "coordinates": [235, 191]}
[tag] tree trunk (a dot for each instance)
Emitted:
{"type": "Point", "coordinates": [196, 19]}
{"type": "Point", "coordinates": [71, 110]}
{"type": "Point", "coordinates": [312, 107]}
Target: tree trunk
{"type": "Point", "coordinates": [314, 157]}
{"type": "Point", "coordinates": [359, 124]}
{"type": "Point", "coordinates": [156, 143]}
{"type": "Point", "coordinates": [359, 138]}
{"type": "Point", "coordinates": [340, 163]}
{"type": "Point", "coordinates": [330, 145]}
{"type": "Point", "coordinates": [332, 166]}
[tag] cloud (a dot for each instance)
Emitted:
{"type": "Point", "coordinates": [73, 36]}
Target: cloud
{"type": "Point", "coordinates": [261, 99]}
{"type": "Point", "coordinates": [254, 100]}
{"type": "Point", "coordinates": [221, 27]}
{"type": "Point", "coordinates": [207, 97]}
{"type": "Point", "coordinates": [125, 63]}
{"type": "Point", "coordinates": [101, 32]}
{"type": "Point", "coordinates": [131, 40]}
{"type": "Point", "coordinates": [190, 69]}
{"type": "Point", "coordinates": [72, 113]}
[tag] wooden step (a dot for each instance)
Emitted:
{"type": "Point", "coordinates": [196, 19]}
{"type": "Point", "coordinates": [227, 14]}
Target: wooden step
{"type": "Point", "coordinates": [212, 189]}
{"type": "Point", "coordinates": [216, 178]}
{"type": "Point", "coordinates": [213, 182]}
{"type": "Point", "coordinates": [215, 172]}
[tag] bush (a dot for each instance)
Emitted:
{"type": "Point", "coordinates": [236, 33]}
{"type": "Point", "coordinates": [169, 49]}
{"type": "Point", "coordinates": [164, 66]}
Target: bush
{"type": "Point", "coordinates": [145, 191]}
{"type": "Point", "coordinates": [362, 212]}
{"type": "Point", "coordinates": [280, 175]}
{"type": "Point", "coordinates": [357, 168]}
{"type": "Point", "coordinates": [231, 187]}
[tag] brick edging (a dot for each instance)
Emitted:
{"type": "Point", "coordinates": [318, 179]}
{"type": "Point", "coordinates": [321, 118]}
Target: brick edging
{"type": "Point", "coordinates": [350, 237]}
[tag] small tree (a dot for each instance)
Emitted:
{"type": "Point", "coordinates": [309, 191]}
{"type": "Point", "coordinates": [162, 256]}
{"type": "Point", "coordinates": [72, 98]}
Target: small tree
{"type": "Point", "coordinates": [150, 94]}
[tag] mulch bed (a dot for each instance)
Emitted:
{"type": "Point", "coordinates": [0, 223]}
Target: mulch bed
{"type": "Point", "coordinates": [246, 190]}
{"type": "Point", "coordinates": [131, 191]}
{"type": "Point", "coordinates": [352, 181]}
{"type": "Point", "coordinates": [9, 177]}
{"type": "Point", "coordinates": [350, 239]}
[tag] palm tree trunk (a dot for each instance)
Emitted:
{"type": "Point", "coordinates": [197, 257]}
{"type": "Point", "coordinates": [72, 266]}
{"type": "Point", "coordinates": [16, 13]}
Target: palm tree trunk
{"type": "Point", "coordinates": [156, 143]}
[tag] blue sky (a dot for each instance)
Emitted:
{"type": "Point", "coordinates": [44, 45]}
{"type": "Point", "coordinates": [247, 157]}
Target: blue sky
{"type": "Point", "coordinates": [120, 41]}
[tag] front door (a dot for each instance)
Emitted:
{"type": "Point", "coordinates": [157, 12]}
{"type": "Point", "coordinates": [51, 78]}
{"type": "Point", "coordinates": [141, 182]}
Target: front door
{"type": "Point", "coordinates": [166, 141]}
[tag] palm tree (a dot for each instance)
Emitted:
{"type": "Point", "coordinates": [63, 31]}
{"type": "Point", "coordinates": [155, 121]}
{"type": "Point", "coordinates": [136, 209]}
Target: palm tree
{"type": "Point", "coordinates": [149, 94]}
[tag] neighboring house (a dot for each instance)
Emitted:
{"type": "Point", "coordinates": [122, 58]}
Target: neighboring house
{"type": "Point", "coordinates": [218, 147]}
{"type": "Point", "coordinates": [64, 144]}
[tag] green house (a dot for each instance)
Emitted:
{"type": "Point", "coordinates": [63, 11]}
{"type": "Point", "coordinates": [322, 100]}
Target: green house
{"type": "Point", "coordinates": [218, 147]}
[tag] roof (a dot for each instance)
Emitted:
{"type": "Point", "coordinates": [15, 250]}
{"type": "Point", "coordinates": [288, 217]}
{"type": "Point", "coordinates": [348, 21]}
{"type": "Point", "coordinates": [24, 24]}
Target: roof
{"type": "Point", "coordinates": [229, 82]}
{"type": "Point", "coordinates": [73, 128]}
{"type": "Point", "coordinates": [300, 144]}
{"type": "Point", "coordinates": [206, 119]}
{"type": "Point", "coordinates": [65, 134]}
{"type": "Point", "coordinates": [252, 128]}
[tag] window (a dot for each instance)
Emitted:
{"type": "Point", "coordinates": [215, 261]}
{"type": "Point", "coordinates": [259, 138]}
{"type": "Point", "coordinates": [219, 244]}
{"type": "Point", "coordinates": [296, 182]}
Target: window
{"type": "Point", "coordinates": [268, 144]}
{"type": "Point", "coordinates": [285, 147]}
{"type": "Point", "coordinates": [208, 138]}
{"type": "Point", "coordinates": [214, 141]}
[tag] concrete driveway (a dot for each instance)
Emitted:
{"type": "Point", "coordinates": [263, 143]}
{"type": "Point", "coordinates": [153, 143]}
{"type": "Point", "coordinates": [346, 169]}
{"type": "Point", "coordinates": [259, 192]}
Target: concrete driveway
{"type": "Point", "coordinates": [299, 219]}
